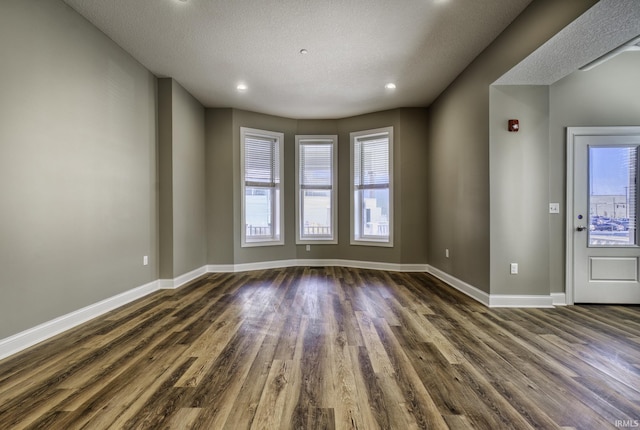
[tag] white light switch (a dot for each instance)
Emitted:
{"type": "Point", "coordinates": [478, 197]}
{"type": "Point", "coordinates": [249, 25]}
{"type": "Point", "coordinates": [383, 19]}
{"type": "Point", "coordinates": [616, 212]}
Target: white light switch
{"type": "Point", "coordinates": [145, 260]}
{"type": "Point", "coordinates": [554, 208]}
{"type": "Point", "coordinates": [514, 268]}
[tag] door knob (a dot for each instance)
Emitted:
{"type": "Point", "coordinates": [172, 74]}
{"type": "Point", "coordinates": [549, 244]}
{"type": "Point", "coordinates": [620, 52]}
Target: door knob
{"type": "Point", "coordinates": [581, 228]}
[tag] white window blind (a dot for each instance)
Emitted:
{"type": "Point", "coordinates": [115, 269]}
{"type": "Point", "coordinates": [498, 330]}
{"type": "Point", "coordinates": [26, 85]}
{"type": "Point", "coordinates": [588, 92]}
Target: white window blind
{"type": "Point", "coordinates": [316, 195]}
{"type": "Point", "coordinates": [372, 190]}
{"type": "Point", "coordinates": [371, 163]}
{"type": "Point", "coordinates": [316, 169]}
{"type": "Point", "coordinates": [262, 204]}
{"type": "Point", "coordinates": [261, 161]}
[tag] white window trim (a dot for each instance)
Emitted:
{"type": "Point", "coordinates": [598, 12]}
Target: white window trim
{"type": "Point", "coordinates": [369, 241]}
{"type": "Point", "coordinates": [333, 139]}
{"type": "Point", "coordinates": [244, 131]}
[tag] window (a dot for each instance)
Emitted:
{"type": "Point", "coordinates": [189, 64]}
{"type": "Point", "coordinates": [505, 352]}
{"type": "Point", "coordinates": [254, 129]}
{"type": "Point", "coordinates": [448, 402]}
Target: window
{"type": "Point", "coordinates": [372, 187]}
{"type": "Point", "coordinates": [316, 180]}
{"type": "Point", "coordinates": [261, 155]}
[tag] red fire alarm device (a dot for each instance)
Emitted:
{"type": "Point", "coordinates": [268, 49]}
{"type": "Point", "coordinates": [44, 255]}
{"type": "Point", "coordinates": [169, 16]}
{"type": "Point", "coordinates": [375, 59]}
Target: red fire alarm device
{"type": "Point", "coordinates": [514, 125]}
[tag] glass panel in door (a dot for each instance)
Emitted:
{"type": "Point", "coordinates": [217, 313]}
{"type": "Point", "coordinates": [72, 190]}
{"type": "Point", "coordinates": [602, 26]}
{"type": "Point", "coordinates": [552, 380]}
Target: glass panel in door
{"type": "Point", "coordinates": [612, 191]}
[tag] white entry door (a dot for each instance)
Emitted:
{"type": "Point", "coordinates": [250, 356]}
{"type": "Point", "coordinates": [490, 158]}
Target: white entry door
{"type": "Point", "coordinates": [602, 201]}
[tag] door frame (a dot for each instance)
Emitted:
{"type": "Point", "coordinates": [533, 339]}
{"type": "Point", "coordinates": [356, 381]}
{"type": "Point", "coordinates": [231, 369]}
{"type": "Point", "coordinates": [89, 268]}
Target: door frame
{"type": "Point", "coordinates": [572, 132]}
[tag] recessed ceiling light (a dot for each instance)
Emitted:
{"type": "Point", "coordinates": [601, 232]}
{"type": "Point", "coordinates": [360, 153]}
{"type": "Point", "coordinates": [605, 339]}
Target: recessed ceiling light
{"type": "Point", "coordinates": [304, 51]}
{"type": "Point", "coordinates": [390, 86]}
{"type": "Point", "coordinates": [242, 87]}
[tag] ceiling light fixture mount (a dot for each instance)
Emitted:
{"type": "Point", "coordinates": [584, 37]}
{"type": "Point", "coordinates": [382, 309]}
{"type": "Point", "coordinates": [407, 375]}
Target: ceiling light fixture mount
{"type": "Point", "coordinates": [304, 51]}
{"type": "Point", "coordinates": [390, 86]}
{"type": "Point", "coordinates": [242, 87]}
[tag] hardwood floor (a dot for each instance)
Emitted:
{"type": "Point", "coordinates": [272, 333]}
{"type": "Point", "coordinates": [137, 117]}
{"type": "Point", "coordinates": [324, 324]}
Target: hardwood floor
{"type": "Point", "coordinates": [325, 348]}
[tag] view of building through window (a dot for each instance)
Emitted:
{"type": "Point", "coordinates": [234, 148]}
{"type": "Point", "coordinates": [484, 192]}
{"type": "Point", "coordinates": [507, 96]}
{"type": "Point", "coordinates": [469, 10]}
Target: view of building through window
{"type": "Point", "coordinates": [259, 206]}
{"type": "Point", "coordinates": [372, 188]}
{"type": "Point", "coordinates": [376, 213]}
{"type": "Point", "coordinates": [315, 184]}
{"type": "Point", "coordinates": [261, 155]}
{"type": "Point", "coordinates": [612, 195]}
{"type": "Point", "coordinates": [316, 208]}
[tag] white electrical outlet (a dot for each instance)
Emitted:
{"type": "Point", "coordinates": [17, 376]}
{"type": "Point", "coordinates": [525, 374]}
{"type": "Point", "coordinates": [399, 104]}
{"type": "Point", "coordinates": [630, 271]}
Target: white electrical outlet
{"type": "Point", "coordinates": [554, 208]}
{"type": "Point", "coordinates": [446, 252]}
{"type": "Point", "coordinates": [514, 268]}
{"type": "Point", "coordinates": [308, 247]}
{"type": "Point", "coordinates": [145, 260]}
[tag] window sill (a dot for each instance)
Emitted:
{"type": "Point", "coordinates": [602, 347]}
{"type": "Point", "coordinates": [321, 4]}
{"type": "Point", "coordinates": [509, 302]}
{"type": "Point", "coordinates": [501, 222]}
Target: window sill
{"type": "Point", "coordinates": [316, 241]}
{"type": "Point", "coordinates": [262, 243]}
{"type": "Point", "coordinates": [372, 242]}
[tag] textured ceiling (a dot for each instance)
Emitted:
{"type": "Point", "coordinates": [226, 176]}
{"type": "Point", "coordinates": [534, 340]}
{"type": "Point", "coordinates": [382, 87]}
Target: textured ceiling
{"type": "Point", "coordinates": [355, 47]}
{"type": "Point", "coordinates": [601, 29]}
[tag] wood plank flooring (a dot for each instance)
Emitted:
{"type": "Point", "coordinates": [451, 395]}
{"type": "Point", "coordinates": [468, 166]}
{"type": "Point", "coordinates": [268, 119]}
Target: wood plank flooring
{"type": "Point", "coordinates": [329, 348]}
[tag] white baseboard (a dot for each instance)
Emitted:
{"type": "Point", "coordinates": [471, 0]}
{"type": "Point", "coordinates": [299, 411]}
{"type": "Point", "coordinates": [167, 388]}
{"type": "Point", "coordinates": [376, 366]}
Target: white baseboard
{"type": "Point", "coordinates": [247, 267]}
{"type": "Point", "coordinates": [468, 289]}
{"type": "Point", "coordinates": [499, 300]}
{"type": "Point", "coordinates": [520, 301]}
{"type": "Point", "coordinates": [170, 284]}
{"type": "Point", "coordinates": [372, 265]}
{"type": "Point", "coordinates": [220, 268]}
{"type": "Point", "coordinates": [165, 284]}
{"type": "Point", "coordinates": [559, 299]}
{"type": "Point", "coordinates": [278, 264]}
{"type": "Point", "coordinates": [16, 343]}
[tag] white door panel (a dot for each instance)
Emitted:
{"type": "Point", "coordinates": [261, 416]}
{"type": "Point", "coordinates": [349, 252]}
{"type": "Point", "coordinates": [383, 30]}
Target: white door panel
{"type": "Point", "coordinates": [602, 196]}
{"type": "Point", "coordinates": [613, 269]}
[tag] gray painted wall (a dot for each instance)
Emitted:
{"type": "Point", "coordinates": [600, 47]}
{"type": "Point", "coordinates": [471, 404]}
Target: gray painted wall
{"type": "Point", "coordinates": [220, 175]}
{"type": "Point", "coordinates": [412, 164]}
{"type": "Point", "coordinates": [271, 123]}
{"type": "Point", "coordinates": [459, 181]}
{"type": "Point", "coordinates": [520, 190]}
{"type": "Point", "coordinates": [223, 163]}
{"type": "Point", "coordinates": [77, 166]}
{"type": "Point", "coordinates": [189, 197]}
{"type": "Point", "coordinates": [607, 95]}
{"type": "Point", "coordinates": [165, 178]}
{"type": "Point", "coordinates": [345, 127]}
{"type": "Point", "coordinates": [528, 169]}
{"type": "Point", "coordinates": [181, 167]}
